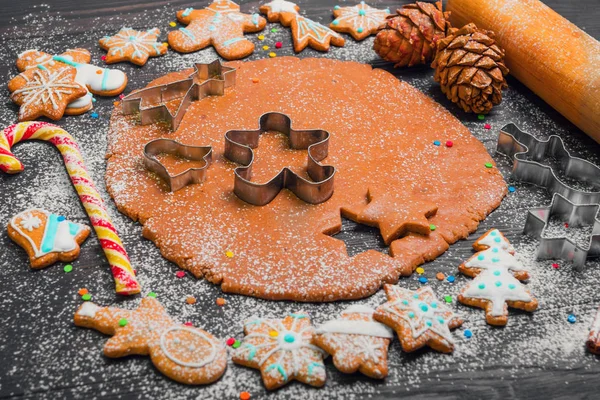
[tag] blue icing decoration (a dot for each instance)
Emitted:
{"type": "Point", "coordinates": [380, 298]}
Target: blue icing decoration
{"type": "Point", "coordinates": [312, 366]}
{"type": "Point", "coordinates": [232, 41]}
{"type": "Point", "coordinates": [411, 314]}
{"type": "Point", "coordinates": [251, 350]}
{"type": "Point", "coordinates": [279, 368]}
{"type": "Point", "coordinates": [498, 283]}
{"type": "Point", "coordinates": [497, 240]}
{"type": "Point", "coordinates": [50, 233]}
{"type": "Point", "coordinates": [336, 7]}
{"type": "Point", "coordinates": [493, 233]}
{"type": "Point", "coordinates": [336, 22]}
{"type": "Point", "coordinates": [255, 19]}
{"type": "Point", "coordinates": [187, 12]}
{"type": "Point", "coordinates": [497, 273]}
{"type": "Point", "coordinates": [299, 316]}
{"type": "Point", "coordinates": [212, 28]}
{"type": "Point", "coordinates": [481, 257]}
{"type": "Point", "coordinates": [104, 79]}
{"type": "Point", "coordinates": [511, 286]}
{"type": "Point", "coordinates": [254, 322]}
{"type": "Point", "coordinates": [360, 30]}
{"type": "Point", "coordinates": [362, 13]}
{"type": "Point", "coordinates": [289, 338]}
{"type": "Point", "coordinates": [187, 33]}
{"type": "Point", "coordinates": [429, 323]}
{"type": "Point", "coordinates": [416, 295]}
{"type": "Point", "coordinates": [66, 61]}
{"type": "Point", "coordinates": [495, 249]}
{"type": "Point", "coordinates": [73, 228]}
{"type": "Point", "coordinates": [40, 66]}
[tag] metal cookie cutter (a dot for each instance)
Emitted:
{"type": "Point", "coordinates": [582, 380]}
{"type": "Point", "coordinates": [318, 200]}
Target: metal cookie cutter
{"type": "Point", "coordinates": [168, 146]}
{"type": "Point", "coordinates": [520, 146]}
{"type": "Point", "coordinates": [563, 247]}
{"type": "Point", "coordinates": [238, 148]}
{"type": "Point", "coordinates": [208, 80]}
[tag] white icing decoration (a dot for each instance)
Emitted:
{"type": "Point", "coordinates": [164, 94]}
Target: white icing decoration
{"type": "Point", "coordinates": [494, 257]}
{"type": "Point", "coordinates": [141, 44]}
{"type": "Point", "coordinates": [489, 239]}
{"type": "Point", "coordinates": [88, 310]}
{"type": "Point", "coordinates": [410, 301]}
{"type": "Point", "coordinates": [278, 6]}
{"type": "Point", "coordinates": [372, 19]}
{"type": "Point", "coordinates": [357, 327]}
{"type": "Point", "coordinates": [64, 240]}
{"type": "Point", "coordinates": [311, 29]}
{"type": "Point", "coordinates": [30, 222]}
{"type": "Point", "coordinates": [191, 348]}
{"type": "Point", "coordinates": [358, 308]}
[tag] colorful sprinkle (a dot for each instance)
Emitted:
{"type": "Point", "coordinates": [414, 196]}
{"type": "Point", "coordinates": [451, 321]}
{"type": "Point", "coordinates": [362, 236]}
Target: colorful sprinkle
{"type": "Point", "coordinates": [236, 344]}
{"type": "Point", "coordinates": [245, 396]}
{"type": "Point", "coordinates": [555, 266]}
{"type": "Point", "coordinates": [423, 279]}
{"type": "Point", "coordinates": [274, 30]}
{"type": "Point", "coordinates": [419, 270]}
{"type": "Point", "coordinates": [188, 323]}
{"type": "Point", "coordinates": [512, 189]}
{"type": "Point", "coordinates": [94, 115]}
{"type": "Point", "coordinates": [116, 103]}
{"type": "Point", "coordinates": [255, 80]}
{"type": "Point", "coordinates": [272, 55]}
{"type": "Point", "coordinates": [449, 143]}
{"type": "Point", "coordinates": [172, 24]}
{"type": "Point", "coordinates": [448, 299]}
{"type": "Point", "coordinates": [229, 254]}
{"type": "Point", "coordinates": [572, 318]}
{"type": "Point", "coordinates": [68, 268]}
{"type": "Point", "coordinates": [230, 341]}
{"type": "Point", "coordinates": [122, 322]}
{"type": "Point", "coordinates": [437, 143]}
{"type": "Point", "coordinates": [566, 225]}
{"type": "Point", "coordinates": [451, 279]}
{"type": "Point", "coordinates": [103, 58]}
{"type": "Point", "coordinates": [180, 274]}
{"type": "Point", "coordinates": [273, 333]}
{"type": "Point", "coordinates": [82, 291]}
{"type": "Point", "coordinates": [152, 294]}
{"type": "Point", "coordinates": [190, 300]}
{"type": "Point", "coordinates": [488, 165]}
{"type": "Point", "coordinates": [121, 96]}
{"type": "Point", "coordinates": [266, 48]}
{"type": "Point", "coordinates": [261, 37]}
{"type": "Point", "coordinates": [440, 276]}
{"type": "Point", "coordinates": [86, 297]}
{"type": "Point", "coordinates": [481, 117]}
{"type": "Point", "coordinates": [468, 334]}
{"type": "Point", "coordinates": [278, 45]}
{"type": "Point", "coordinates": [432, 227]}
{"type": "Point", "coordinates": [487, 126]}
{"type": "Point", "coordinates": [165, 44]}
{"type": "Point", "coordinates": [221, 301]}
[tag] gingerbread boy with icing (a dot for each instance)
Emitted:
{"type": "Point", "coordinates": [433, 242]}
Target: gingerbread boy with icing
{"type": "Point", "coordinates": [99, 81]}
{"type": "Point", "coordinates": [221, 25]}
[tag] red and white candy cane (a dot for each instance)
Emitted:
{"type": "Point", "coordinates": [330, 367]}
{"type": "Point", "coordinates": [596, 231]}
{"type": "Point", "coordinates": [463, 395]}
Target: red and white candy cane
{"type": "Point", "coordinates": [125, 280]}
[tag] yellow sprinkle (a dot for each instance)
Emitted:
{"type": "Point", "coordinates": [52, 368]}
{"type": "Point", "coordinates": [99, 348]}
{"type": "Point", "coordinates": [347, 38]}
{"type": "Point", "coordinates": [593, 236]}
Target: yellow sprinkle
{"type": "Point", "coordinates": [273, 333]}
{"type": "Point", "coordinates": [261, 37]}
{"type": "Point", "coordinates": [173, 24]}
{"type": "Point", "coordinates": [229, 253]}
{"type": "Point", "coordinates": [272, 55]}
{"type": "Point", "coordinates": [265, 47]}
{"type": "Point", "coordinates": [420, 270]}
{"type": "Point", "coordinates": [165, 44]}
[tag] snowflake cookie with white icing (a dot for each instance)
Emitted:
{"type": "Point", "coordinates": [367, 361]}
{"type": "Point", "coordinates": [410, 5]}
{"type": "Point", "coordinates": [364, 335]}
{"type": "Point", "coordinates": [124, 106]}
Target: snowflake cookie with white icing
{"type": "Point", "coordinates": [47, 238]}
{"type": "Point", "coordinates": [418, 318]}
{"type": "Point", "coordinates": [133, 46]}
{"type": "Point", "coordinates": [493, 238]}
{"type": "Point", "coordinates": [282, 350]}
{"type": "Point", "coordinates": [183, 353]}
{"type": "Point", "coordinates": [356, 342]}
{"type": "Point", "coordinates": [360, 20]}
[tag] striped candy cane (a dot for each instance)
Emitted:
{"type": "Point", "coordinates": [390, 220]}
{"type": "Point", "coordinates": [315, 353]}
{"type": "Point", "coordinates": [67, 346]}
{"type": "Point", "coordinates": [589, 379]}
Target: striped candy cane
{"type": "Point", "coordinates": [125, 280]}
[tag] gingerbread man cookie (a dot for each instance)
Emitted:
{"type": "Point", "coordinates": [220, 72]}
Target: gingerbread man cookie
{"type": "Point", "coordinates": [99, 81]}
{"type": "Point", "coordinates": [46, 92]}
{"type": "Point", "coordinates": [282, 351]}
{"type": "Point", "coordinates": [47, 238]}
{"type": "Point", "coordinates": [360, 20]}
{"type": "Point", "coordinates": [418, 318]}
{"type": "Point", "coordinates": [221, 25]}
{"type": "Point", "coordinates": [274, 8]}
{"type": "Point", "coordinates": [493, 238]}
{"type": "Point", "coordinates": [356, 342]}
{"type": "Point", "coordinates": [133, 46]}
{"type": "Point", "coordinates": [185, 354]}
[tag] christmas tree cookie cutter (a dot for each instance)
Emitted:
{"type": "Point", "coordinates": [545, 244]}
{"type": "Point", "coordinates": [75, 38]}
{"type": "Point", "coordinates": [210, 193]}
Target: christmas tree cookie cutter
{"type": "Point", "coordinates": [527, 153]}
{"type": "Point", "coordinates": [172, 147]}
{"type": "Point", "coordinates": [575, 215]}
{"type": "Point", "coordinates": [151, 103]}
{"type": "Point", "coordinates": [238, 148]}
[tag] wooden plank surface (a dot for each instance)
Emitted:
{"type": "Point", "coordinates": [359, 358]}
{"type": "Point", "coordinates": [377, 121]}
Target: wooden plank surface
{"type": "Point", "coordinates": [44, 356]}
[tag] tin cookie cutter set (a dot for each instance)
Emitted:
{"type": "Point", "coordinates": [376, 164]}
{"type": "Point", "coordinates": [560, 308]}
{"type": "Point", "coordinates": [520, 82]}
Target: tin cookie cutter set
{"type": "Point", "coordinates": [211, 80]}
{"type": "Point", "coordinates": [576, 207]}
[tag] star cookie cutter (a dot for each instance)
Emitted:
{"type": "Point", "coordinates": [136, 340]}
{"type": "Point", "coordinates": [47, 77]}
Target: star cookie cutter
{"type": "Point", "coordinates": [238, 148]}
{"type": "Point", "coordinates": [517, 144]}
{"type": "Point", "coordinates": [168, 146]}
{"type": "Point", "coordinates": [562, 247]}
{"type": "Point", "coordinates": [151, 103]}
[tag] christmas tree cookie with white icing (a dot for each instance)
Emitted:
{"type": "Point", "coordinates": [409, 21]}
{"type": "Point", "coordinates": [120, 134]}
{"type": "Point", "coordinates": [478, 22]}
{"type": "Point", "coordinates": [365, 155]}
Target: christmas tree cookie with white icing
{"type": "Point", "coordinates": [357, 342]}
{"type": "Point", "coordinates": [46, 237]}
{"type": "Point", "coordinates": [494, 257]}
{"type": "Point", "coordinates": [493, 238]}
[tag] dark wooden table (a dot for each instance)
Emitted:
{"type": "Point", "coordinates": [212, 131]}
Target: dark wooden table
{"type": "Point", "coordinates": [43, 355]}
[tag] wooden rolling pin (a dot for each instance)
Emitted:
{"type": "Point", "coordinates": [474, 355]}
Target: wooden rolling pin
{"type": "Point", "coordinates": [551, 56]}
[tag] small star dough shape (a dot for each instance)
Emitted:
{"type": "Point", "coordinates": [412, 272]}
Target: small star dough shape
{"type": "Point", "coordinates": [185, 354]}
{"type": "Point", "coordinates": [133, 46]}
{"type": "Point", "coordinates": [47, 238]}
{"type": "Point", "coordinates": [274, 9]}
{"type": "Point", "coordinates": [42, 92]}
{"type": "Point", "coordinates": [221, 25]}
{"type": "Point", "coordinates": [360, 20]}
{"type": "Point", "coordinates": [282, 351]}
{"type": "Point", "coordinates": [99, 81]}
{"type": "Point", "coordinates": [418, 318]}
{"type": "Point", "coordinates": [356, 342]}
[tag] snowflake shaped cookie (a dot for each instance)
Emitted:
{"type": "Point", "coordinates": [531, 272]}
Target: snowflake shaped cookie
{"type": "Point", "coordinates": [133, 46]}
{"type": "Point", "coordinates": [44, 92]}
{"type": "Point", "coordinates": [418, 318]}
{"type": "Point", "coordinates": [356, 342]}
{"type": "Point", "coordinates": [282, 351]}
{"type": "Point", "coordinates": [360, 20]}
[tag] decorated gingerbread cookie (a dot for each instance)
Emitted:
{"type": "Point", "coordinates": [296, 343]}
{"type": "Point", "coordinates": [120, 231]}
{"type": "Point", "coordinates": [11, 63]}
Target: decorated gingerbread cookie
{"type": "Point", "coordinates": [360, 20]}
{"type": "Point", "coordinates": [133, 46]}
{"type": "Point", "coordinates": [356, 342]}
{"type": "Point", "coordinates": [99, 81]}
{"type": "Point", "coordinates": [494, 257]}
{"type": "Point", "coordinates": [43, 92]}
{"type": "Point", "coordinates": [47, 238]}
{"type": "Point", "coordinates": [493, 238]}
{"type": "Point", "coordinates": [306, 32]}
{"type": "Point", "coordinates": [418, 318]}
{"type": "Point", "coordinates": [282, 350]}
{"type": "Point", "coordinates": [220, 25]}
{"type": "Point", "coordinates": [185, 354]}
{"type": "Point", "coordinates": [274, 9]}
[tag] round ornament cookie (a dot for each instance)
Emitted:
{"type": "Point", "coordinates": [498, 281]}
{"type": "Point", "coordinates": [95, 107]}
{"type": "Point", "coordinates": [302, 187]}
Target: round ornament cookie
{"type": "Point", "coordinates": [388, 174]}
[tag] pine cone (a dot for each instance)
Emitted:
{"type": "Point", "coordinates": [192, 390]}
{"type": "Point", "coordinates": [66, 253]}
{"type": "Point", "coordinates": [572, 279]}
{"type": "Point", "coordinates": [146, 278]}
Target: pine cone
{"type": "Point", "coordinates": [470, 68]}
{"type": "Point", "coordinates": [409, 37]}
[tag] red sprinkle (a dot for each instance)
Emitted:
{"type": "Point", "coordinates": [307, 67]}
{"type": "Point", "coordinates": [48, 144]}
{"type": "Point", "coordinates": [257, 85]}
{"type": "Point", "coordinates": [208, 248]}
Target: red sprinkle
{"type": "Point", "coordinates": [487, 126]}
{"type": "Point", "coordinates": [449, 143]}
{"type": "Point", "coordinates": [555, 266]}
{"type": "Point", "coordinates": [566, 225]}
{"type": "Point", "coordinates": [188, 324]}
{"type": "Point", "coordinates": [103, 58]}
{"type": "Point", "coordinates": [180, 274]}
{"type": "Point", "coordinates": [121, 95]}
{"type": "Point", "coordinates": [278, 45]}
{"type": "Point", "coordinates": [230, 341]}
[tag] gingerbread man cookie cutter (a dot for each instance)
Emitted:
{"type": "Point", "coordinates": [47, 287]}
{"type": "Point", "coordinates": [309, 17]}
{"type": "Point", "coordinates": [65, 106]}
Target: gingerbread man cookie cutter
{"type": "Point", "coordinates": [151, 103]}
{"type": "Point", "coordinates": [575, 215]}
{"type": "Point", "coordinates": [172, 147]}
{"type": "Point", "coordinates": [528, 153]}
{"type": "Point", "coordinates": [238, 148]}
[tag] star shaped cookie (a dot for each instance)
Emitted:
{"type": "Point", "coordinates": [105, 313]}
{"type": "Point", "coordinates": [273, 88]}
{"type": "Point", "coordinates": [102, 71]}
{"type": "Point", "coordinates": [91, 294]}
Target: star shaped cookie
{"type": "Point", "coordinates": [133, 46]}
{"type": "Point", "coordinates": [282, 351]}
{"type": "Point", "coordinates": [418, 318]}
{"type": "Point", "coordinates": [185, 354]}
{"type": "Point", "coordinates": [42, 92]}
{"type": "Point", "coordinates": [360, 20]}
{"type": "Point", "coordinates": [274, 9]}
